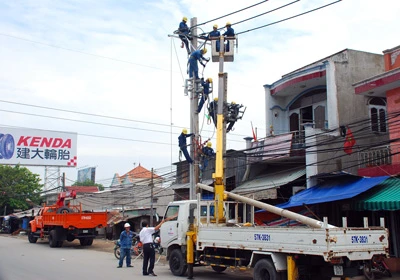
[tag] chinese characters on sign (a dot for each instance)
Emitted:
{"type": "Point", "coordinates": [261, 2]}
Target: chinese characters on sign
{"type": "Point", "coordinates": [38, 147]}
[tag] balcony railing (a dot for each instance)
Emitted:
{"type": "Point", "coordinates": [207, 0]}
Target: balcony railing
{"type": "Point", "coordinates": [375, 157]}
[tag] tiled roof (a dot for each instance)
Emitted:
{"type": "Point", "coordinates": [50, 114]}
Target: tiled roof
{"type": "Point", "coordinates": [139, 172]}
{"type": "Point", "coordinates": [83, 189]}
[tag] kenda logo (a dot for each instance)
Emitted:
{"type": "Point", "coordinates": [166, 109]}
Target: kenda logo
{"type": "Point", "coordinates": [38, 141]}
{"type": "Point", "coordinates": [86, 218]}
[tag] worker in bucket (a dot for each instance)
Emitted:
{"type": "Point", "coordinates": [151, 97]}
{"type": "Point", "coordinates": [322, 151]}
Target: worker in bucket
{"type": "Point", "coordinates": [215, 35]}
{"type": "Point", "coordinates": [184, 34]}
{"type": "Point", "coordinates": [228, 33]}
{"type": "Point", "coordinates": [182, 144]}
{"type": "Point", "coordinates": [125, 239]}
{"type": "Point", "coordinates": [197, 55]}
{"type": "Point", "coordinates": [206, 92]}
{"type": "Point", "coordinates": [212, 110]}
{"type": "Point", "coordinates": [206, 153]}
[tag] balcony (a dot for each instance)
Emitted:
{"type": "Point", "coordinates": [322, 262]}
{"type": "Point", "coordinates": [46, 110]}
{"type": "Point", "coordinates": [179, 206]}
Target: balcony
{"type": "Point", "coordinates": [379, 161]}
{"type": "Point", "coordinates": [277, 148]}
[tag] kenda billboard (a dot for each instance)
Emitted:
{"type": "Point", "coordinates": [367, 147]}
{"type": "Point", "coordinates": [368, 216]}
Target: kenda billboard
{"type": "Point", "coordinates": [37, 147]}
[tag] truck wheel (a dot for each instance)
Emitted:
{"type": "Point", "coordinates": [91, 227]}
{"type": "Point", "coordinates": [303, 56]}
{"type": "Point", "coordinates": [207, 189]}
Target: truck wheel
{"type": "Point", "coordinates": [63, 210]}
{"type": "Point", "coordinates": [32, 238]}
{"type": "Point", "coordinates": [368, 273]}
{"type": "Point", "coordinates": [218, 269]}
{"type": "Point", "coordinates": [177, 263]}
{"type": "Point", "coordinates": [53, 238]}
{"type": "Point", "coordinates": [264, 270]}
{"type": "Point", "coordinates": [60, 243]}
{"type": "Point", "coordinates": [82, 241]}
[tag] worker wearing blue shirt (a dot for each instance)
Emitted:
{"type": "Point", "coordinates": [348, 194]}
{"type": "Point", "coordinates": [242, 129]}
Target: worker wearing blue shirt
{"type": "Point", "coordinates": [184, 32]}
{"type": "Point", "coordinates": [215, 34]}
{"type": "Point", "coordinates": [125, 240]}
{"type": "Point", "coordinates": [197, 55]}
{"type": "Point", "coordinates": [228, 33]}
{"type": "Point", "coordinates": [207, 152]}
{"type": "Point", "coordinates": [182, 144]}
{"type": "Point", "coordinates": [206, 92]}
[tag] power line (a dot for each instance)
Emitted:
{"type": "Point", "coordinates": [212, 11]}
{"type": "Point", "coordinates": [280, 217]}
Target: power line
{"type": "Point", "coordinates": [237, 11]}
{"type": "Point", "coordinates": [267, 12]}
{"type": "Point", "coordinates": [94, 115]}
{"type": "Point", "coordinates": [272, 23]}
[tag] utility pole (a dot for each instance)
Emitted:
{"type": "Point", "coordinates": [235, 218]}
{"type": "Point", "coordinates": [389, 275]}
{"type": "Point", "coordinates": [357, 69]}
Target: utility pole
{"type": "Point", "coordinates": [63, 182]}
{"type": "Point", "coordinates": [194, 123]}
{"type": "Point", "coordinates": [151, 199]}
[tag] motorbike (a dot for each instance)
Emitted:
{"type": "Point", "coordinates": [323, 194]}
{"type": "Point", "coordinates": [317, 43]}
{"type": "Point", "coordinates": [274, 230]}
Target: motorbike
{"type": "Point", "coordinates": [137, 247]}
{"type": "Point", "coordinates": [377, 267]}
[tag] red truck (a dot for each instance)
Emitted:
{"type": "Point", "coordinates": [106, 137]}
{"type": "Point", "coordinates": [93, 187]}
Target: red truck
{"type": "Point", "coordinates": [61, 222]}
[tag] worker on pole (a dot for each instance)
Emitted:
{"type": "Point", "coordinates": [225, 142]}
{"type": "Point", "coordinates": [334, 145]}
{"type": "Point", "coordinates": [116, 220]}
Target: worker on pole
{"type": "Point", "coordinates": [197, 55]}
{"type": "Point", "coordinates": [184, 34]}
{"type": "Point", "coordinates": [206, 153]}
{"type": "Point", "coordinates": [183, 146]}
{"type": "Point", "coordinates": [206, 92]}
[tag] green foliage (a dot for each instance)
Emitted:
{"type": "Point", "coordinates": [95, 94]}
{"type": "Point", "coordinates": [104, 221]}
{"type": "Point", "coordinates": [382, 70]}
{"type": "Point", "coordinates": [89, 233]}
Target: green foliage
{"type": "Point", "coordinates": [17, 184]}
{"type": "Point", "coordinates": [89, 182]}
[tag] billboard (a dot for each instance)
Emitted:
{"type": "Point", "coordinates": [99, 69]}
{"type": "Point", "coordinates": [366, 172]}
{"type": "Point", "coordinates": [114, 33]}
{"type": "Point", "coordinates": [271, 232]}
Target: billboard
{"type": "Point", "coordinates": [85, 174]}
{"type": "Point", "coordinates": [37, 147]}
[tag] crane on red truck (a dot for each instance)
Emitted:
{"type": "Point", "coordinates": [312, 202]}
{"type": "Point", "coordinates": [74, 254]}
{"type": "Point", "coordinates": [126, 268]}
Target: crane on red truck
{"type": "Point", "coordinates": [61, 221]}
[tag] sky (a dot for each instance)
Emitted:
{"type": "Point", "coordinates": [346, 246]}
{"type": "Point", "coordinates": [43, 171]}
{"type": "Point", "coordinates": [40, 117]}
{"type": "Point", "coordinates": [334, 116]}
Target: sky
{"type": "Point", "coordinates": [115, 62]}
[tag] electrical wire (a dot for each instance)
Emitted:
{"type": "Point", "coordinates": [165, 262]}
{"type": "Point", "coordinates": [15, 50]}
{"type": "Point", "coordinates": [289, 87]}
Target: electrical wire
{"type": "Point", "coordinates": [232, 13]}
{"type": "Point", "coordinates": [285, 19]}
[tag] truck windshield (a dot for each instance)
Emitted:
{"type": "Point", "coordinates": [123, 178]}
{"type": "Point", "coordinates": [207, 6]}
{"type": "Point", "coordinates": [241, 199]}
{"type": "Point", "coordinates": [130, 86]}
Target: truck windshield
{"type": "Point", "coordinates": [172, 211]}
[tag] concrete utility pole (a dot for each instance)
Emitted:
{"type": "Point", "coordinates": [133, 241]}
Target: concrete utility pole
{"type": "Point", "coordinates": [151, 199]}
{"type": "Point", "coordinates": [194, 123]}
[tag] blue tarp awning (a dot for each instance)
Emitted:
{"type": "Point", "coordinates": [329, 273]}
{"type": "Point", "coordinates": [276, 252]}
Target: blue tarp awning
{"type": "Point", "coordinates": [332, 191]}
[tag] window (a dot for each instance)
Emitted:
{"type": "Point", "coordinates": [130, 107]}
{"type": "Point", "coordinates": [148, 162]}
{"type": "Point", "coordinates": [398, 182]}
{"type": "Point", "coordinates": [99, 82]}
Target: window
{"type": "Point", "coordinates": [172, 211]}
{"type": "Point", "coordinates": [377, 111]}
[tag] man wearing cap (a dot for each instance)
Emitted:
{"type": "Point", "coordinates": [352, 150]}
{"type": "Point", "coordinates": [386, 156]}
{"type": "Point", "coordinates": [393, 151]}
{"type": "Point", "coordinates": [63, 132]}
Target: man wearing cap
{"type": "Point", "coordinates": [125, 240]}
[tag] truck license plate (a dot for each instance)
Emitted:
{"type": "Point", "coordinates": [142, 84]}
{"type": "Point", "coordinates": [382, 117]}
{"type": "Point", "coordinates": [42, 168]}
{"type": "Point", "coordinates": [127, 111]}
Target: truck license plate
{"type": "Point", "coordinates": [85, 231]}
{"type": "Point", "coordinates": [338, 269]}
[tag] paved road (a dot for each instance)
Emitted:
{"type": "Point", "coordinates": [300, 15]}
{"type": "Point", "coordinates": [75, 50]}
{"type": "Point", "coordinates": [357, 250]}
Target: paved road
{"type": "Point", "coordinates": [21, 260]}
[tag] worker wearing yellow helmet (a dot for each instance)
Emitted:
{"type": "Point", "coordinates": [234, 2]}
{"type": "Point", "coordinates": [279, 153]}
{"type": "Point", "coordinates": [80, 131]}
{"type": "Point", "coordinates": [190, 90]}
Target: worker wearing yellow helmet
{"type": "Point", "coordinates": [206, 153]}
{"type": "Point", "coordinates": [205, 91]}
{"type": "Point", "coordinates": [197, 55]}
{"type": "Point", "coordinates": [213, 109]}
{"type": "Point", "coordinates": [228, 33]}
{"type": "Point", "coordinates": [232, 116]}
{"type": "Point", "coordinates": [182, 144]}
{"type": "Point", "coordinates": [184, 34]}
{"type": "Point", "coordinates": [214, 35]}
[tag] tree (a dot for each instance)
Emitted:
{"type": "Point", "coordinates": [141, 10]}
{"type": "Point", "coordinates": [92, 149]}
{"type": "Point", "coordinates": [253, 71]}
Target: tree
{"type": "Point", "coordinates": [17, 184]}
{"type": "Point", "coordinates": [89, 182]}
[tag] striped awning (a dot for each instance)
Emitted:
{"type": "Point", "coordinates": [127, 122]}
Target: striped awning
{"type": "Point", "coordinates": [385, 196]}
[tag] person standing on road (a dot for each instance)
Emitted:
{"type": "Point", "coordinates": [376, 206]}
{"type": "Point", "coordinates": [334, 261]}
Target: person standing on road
{"type": "Point", "coordinates": [125, 240]}
{"type": "Point", "coordinates": [149, 254]}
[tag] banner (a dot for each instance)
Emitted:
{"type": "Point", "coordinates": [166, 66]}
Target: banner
{"type": "Point", "coordinates": [37, 147]}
